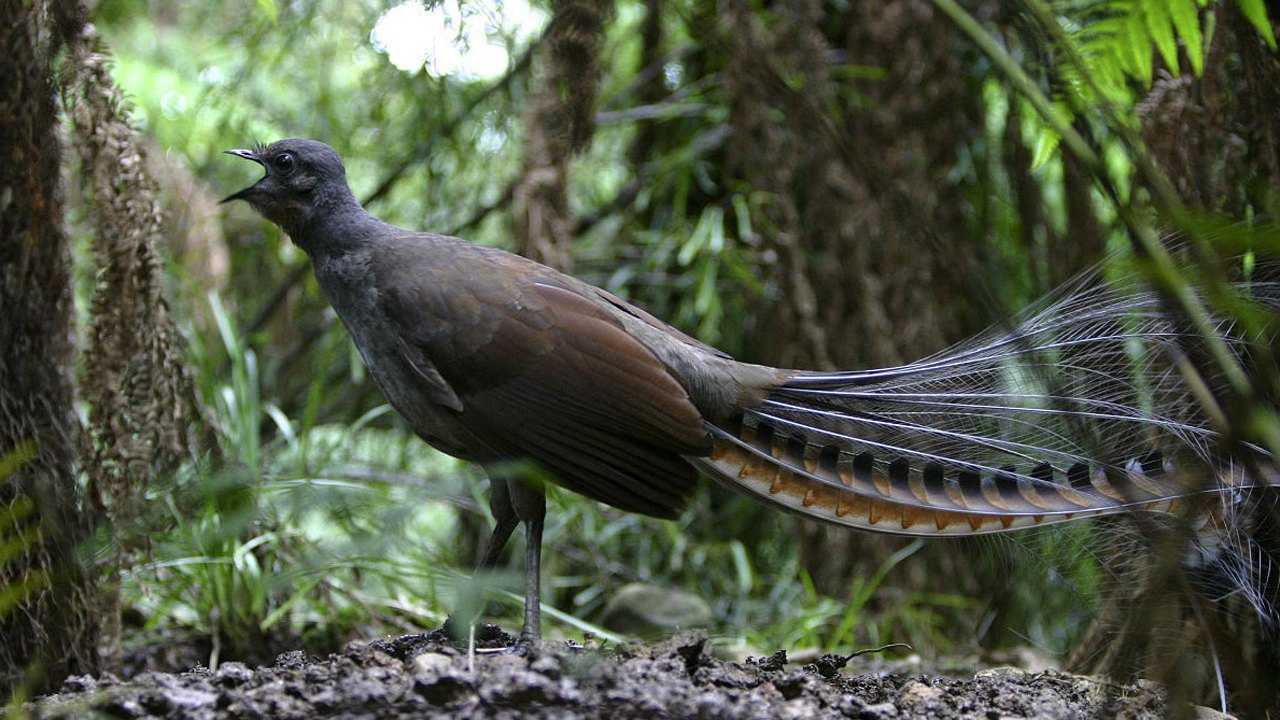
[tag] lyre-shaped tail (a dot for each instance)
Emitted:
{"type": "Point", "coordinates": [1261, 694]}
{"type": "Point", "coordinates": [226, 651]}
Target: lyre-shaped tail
{"type": "Point", "coordinates": [1080, 409]}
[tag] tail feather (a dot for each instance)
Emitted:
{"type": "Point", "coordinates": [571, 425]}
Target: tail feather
{"type": "Point", "coordinates": [844, 489]}
{"type": "Point", "coordinates": [1083, 407]}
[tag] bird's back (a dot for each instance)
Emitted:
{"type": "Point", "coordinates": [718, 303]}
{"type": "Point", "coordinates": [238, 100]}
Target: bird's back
{"type": "Point", "coordinates": [490, 357]}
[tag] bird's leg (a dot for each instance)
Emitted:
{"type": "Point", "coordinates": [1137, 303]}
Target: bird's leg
{"type": "Point", "coordinates": [531, 506]}
{"type": "Point", "coordinates": [532, 631]}
{"type": "Point", "coordinates": [505, 521]}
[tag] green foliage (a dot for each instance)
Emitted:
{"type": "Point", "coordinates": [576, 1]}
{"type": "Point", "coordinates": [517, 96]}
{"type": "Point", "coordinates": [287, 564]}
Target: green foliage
{"type": "Point", "coordinates": [17, 531]}
{"type": "Point", "coordinates": [284, 542]}
{"type": "Point", "coordinates": [1112, 47]}
{"type": "Point", "coordinates": [1120, 39]}
{"type": "Point", "coordinates": [1255, 11]}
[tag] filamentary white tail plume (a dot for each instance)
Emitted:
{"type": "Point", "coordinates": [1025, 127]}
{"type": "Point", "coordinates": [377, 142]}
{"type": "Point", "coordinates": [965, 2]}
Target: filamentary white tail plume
{"type": "Point", "coordinates": [1082, 406]}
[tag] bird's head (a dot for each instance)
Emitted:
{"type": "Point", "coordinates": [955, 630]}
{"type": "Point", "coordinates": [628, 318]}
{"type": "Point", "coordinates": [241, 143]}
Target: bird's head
{"type": "Point", "coordinates": [304, 179]}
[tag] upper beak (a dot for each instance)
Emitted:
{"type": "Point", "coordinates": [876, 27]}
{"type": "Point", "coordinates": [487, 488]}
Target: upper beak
{"type": "Point", "coordinates": [247, 155]}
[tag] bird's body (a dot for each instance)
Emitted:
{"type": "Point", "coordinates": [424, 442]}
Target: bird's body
{"type": "Point", "coordinates": [1076, 410]}
{"type": "Point", "coordinates": [492, 357]}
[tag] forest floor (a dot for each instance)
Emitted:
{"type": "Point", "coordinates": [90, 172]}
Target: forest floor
{"type": "Point", "coordinates": [428, 676]}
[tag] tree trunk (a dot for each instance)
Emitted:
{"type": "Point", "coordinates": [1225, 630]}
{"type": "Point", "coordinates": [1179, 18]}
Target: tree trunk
{"type": "Point", "coordinates": [874, 260]}
{"type": "Point", "coordinates": [46, 592]}
{"type": "Point", "coordinates": [143, 408]}
{"type": "Point", "coordinates": [558, 122]}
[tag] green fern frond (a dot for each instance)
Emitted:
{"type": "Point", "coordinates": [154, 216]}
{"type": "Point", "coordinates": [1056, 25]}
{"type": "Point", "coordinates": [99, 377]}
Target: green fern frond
{"type": "Point", "coordinates": [1255, 11]}
{"type": "Point", "coordinates": [1117, 42]}
{"type": "Point", "coordinates": [1120, 38]}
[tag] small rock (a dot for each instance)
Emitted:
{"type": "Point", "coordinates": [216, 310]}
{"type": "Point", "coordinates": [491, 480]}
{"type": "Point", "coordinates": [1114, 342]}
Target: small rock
{"type": "Point", "coordinates": [326, 699]}
{"type": "Point", "coordinates": [652, 610]}
{"type": "Point", "coordinates": [232, 674]}
{"type": "Point", "coordinates": [431, 662]}
{"type": "Point", "coordinates": [187, 699]}
{"type": "Point", "coordinates": [850, 706]}
{"type": "Point", "coordinates": [917, 693]}
{"type": "Point", "coordinates": [878, 711]}
{"type": "Point", "coordinates": [546, 665]}
{"type": "Point", "coordinates": [727, 675]}
{"type": "Point", "coordinates": [519, 688]}
{"type": "Point", "coordinates": [692, 649]}
{"type": "Point", "coordinates": [155, 702]}
{"type": "Point", "coordinates": [355, 647]}
{"type": "Point", "coordinates": [773, 663]}
{"type": "Point", "coordinates": [440, 683]}
{"type": "Point", "coordinates": [79, 683]}
{"type": "Point", "coordinates": [291, 659]}
{"type": "Point", "coordinates": [709, 705]}
{"type": "Point", "coordinates": [121, 706]}
{"type": "Point", "coordinates": [829, 665]}
{"type": "Point", "coordinates": [799, 709]}
{"type": "Point", "coordinates": [793, 684]}
{"type": "Point", "coordinates": [1000, 673]}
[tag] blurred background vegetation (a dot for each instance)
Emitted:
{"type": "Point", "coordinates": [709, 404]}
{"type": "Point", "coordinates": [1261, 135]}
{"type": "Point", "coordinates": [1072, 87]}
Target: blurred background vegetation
{"type": "Point", "coordinates": [837, 184]}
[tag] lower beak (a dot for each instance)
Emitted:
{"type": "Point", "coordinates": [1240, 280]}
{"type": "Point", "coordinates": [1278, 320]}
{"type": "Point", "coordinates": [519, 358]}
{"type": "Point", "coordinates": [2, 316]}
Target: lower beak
{"type": "Point", "coordinates": [243, 194]}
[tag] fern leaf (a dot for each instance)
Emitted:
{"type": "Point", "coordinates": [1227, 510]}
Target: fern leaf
{"type": "Point", "coordinates": [1139, 44]}
{"type": "Point", "coordinates": [1256, 13]}
{"type": "Point", "coordinates": [1186, 20]}
{"type": "Point", "coordinates": [1160, 27]}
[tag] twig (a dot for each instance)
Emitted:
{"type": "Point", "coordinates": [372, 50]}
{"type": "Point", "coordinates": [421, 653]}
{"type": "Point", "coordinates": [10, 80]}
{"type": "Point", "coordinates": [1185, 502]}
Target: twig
{"type": "Point", "coordinates": [1021, 81]}
{"type": "Point", "coordinates": [664, 110]}
{"type": "Point", "coordinates": [882, 648]}
{"type": "Point", "coordinates": [484, 211]}
{"type": "Point", "coordinates": [701, 145]}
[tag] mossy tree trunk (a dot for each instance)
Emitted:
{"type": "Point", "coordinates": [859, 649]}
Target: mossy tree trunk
{"type": "Point", "coordinates": [559, 121]}
{"type": "Point", "coordinates": [46, 591]}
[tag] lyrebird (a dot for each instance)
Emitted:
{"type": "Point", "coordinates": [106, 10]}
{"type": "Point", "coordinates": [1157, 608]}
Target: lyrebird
{"type": "Point", "coordinates": [1077, 409]}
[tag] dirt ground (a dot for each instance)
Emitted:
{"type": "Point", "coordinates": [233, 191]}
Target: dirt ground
{"type": "Point", "coordinates": [427, 676]}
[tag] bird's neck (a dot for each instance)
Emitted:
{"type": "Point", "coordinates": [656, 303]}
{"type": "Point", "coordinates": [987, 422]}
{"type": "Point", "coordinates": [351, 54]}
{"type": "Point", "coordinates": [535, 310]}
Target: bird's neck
{"type": "Point", "coordinates": [337, 226]}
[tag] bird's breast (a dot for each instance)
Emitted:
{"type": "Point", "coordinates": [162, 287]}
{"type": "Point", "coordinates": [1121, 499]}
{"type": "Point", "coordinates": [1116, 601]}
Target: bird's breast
{"type": "Point", "coordinates": [380, 347]}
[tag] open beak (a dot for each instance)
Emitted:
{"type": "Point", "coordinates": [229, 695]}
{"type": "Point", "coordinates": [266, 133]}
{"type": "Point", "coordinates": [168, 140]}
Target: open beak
{"type": "Point", "coordinates": [247, 155]}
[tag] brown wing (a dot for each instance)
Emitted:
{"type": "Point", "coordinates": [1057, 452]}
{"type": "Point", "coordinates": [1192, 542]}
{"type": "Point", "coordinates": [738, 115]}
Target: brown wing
{"type": "Point", "coordinates": [642, 314]}
{"type": "Point", "coordinates": [545, 373]}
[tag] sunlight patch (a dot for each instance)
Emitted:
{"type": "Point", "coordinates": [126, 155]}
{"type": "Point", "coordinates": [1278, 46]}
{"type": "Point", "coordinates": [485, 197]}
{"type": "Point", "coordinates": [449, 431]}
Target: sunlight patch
{"type": "Point", "coordinates": [467, 40]}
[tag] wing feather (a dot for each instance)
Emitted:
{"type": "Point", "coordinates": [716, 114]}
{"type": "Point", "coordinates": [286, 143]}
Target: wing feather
{"type": "Point", "coordinates": [547, 373]}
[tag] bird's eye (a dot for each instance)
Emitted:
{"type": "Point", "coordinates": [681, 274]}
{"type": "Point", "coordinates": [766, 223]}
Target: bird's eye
{"type": "Point", "coordinates": [284, 162]}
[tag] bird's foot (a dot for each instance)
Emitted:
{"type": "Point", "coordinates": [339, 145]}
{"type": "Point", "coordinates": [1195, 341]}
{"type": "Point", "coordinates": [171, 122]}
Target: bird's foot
{"type": "Point", "coordinates": [481, 638]}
